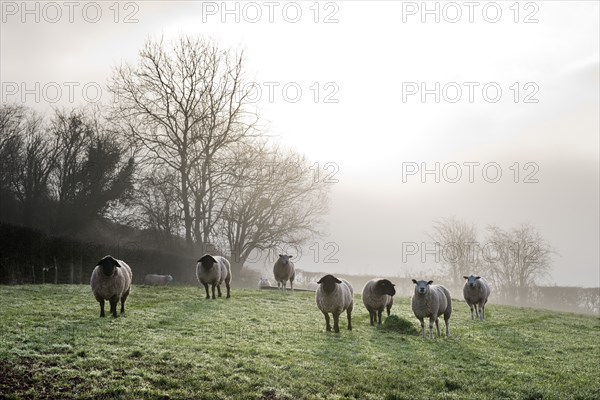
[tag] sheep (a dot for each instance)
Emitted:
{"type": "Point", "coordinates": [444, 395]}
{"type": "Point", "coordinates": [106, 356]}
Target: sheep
{"type": "Point", "coordinates": [156, 280]}
{"type": "Point", "coordinates": [111, 280]}
{"type": "Point", "coordinates": [264, 283]}
{"type": "Point", "coordinates": [335, 296]}
{"type": "Point", "coordinates": [431, 301]}
{"type": "Point", "coordinates": [214, 270]}
{"type": "Point", "coordinates": [476, 292]}
{"type": "Point", "coordinates": [377, 295]}
{"type": "Point", "coordinates": [283, 270]}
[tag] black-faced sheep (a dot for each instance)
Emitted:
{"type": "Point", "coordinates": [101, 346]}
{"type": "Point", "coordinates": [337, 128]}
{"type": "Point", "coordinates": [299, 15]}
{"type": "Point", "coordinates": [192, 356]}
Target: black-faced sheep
{"type": "Point", "coordinates": [431, 301]}
{"type": "Point", "coordinates": [377, 296]}
{"type": "Point", "coordinates": [476, 292]}
{"type": "Point", "coordinates": [214, 270]}
{"type": "Point", "coordinates": [284, 271]}
{"type": "Point", "coordinates": [335, 296]}
{"type": "Point", "coordinates": [157, 280]}
{"type": "Point", "coordinates": [111, 280]}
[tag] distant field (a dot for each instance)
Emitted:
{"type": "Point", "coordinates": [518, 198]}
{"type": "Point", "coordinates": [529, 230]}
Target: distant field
{"type": "Point", "coordinates": [270, 345]}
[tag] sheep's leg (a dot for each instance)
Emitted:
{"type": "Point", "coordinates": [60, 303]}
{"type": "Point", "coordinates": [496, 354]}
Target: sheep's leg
{"type": "Point", "coordinates": [327, 325]}
{"type": "Point", "coordinates": [113, 305]}
{"type": "Point", "coordinates": [388, 309]}
{"type": "Point", "coordinates": [379, 312]}
{"type": "Point", "coordinates": [431, 327]}
{"type": "Point", "coordinates": [349, 314]}
{"type": "Point", "coordinates": [437, 326]}
{"type": "Point", "coordinates": [123, 298]}
{"type": "Point", "coordinates": [471, 306]}
{"type": "Point", "coordinates": [228, 285]}
{"type": "Point", "coordinates": [206, 288]}
{"type": "Point", "coordinates": [213, 291]}
{"type": "Point", "coordinates": [422, 327]}
{"type": "Point", "coordinates": [219, 290]}
{"type": "Point", "coordinates": [372, 317]}
{"type": "Point", "coordinates": [292, 285]}
{"type": "Point", "coordinates": [481, 309]}
{"type": "Point", "coordinates": [446, 320]}
{"type": "Point", "coordinates": [336, 323]}
{"type": "Point", "coordinates": [101, 301]}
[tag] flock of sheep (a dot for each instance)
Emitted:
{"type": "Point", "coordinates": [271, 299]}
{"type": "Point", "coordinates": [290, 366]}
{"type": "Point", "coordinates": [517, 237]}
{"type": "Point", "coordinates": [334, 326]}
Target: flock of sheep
{"type": "Point", "coordinates": [111, 280]}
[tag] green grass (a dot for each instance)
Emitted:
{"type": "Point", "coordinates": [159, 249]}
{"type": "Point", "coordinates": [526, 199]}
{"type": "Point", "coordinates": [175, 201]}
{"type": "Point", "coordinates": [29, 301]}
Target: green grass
{"type": "Point", "coordinates": [268, 345]}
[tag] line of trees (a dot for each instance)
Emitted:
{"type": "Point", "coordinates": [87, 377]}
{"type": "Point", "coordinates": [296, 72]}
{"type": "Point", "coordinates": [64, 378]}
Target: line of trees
{"type": "Point", "coordinates": [179, 155]}
{"type": "Point", "coordinates": [514, 261]}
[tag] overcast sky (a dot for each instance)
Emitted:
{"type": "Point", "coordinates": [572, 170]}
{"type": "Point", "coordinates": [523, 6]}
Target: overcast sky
{"type": "Point", "coordinates": [366, 64]}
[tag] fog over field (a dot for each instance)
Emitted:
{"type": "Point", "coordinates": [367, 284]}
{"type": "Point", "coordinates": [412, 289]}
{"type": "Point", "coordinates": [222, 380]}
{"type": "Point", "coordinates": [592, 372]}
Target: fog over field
{"type": "Point", "coordinates": [407, 120]}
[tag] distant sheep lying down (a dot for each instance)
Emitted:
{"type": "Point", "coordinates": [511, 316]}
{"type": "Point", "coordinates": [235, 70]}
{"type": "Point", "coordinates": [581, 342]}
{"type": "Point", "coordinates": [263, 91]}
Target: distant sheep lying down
{"type": "Point", "coordinates": [476, 292]}
{"type": "Point", "coordinates": [157, 280]}
{"type": "Point", "coordinates": [431, 301]}
{"type": "Point", "coordinates": [264, 283]}
{"type": "Point", "coordinates": [377, 295]}
{"type": "Point", "coordinates": [111, 280]}
{"type": "Point", "coordinates": [335, 296]}
{"type": "Point", "coordinates": [214, 270]}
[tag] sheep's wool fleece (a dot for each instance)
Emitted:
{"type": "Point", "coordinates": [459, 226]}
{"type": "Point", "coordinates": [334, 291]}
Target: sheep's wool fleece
{"type": "Point", "coordinates": [107, 286]}
{"type": "Point", "coordinates": [337, 301]}
{"type": "Point", "coordinates": [375, 301]}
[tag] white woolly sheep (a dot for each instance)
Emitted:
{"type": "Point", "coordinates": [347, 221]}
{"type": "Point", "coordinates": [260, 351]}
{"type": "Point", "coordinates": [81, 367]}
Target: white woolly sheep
{"type": "Point", "coordinates": [476, 292]}
{"type": "Point", "coordinates": [157, 280]}
{"type": "Point", "coordinates": [214, 270]}
{"type": "Point", "coordinates": [283, 270]}
{"type": "Point", "coordinates": [264, 283]}
{"type": "Point", "coordinates": [377, 295]}
{"type": "Point", "coordinates": [431, 301]}
{"type": "Point", "coordinates": [335, 296]}
{"type": "Point", "coordinates": [111, 280]}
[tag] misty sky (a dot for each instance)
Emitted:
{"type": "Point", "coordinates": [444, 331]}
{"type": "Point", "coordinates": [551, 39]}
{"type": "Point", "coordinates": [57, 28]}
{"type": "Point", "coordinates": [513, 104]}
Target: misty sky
{"type": "Point", "coordinates": [372, 59]}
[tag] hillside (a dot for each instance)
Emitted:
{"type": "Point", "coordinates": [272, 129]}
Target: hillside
{"type": "Point", "coordinates": [270, 345]}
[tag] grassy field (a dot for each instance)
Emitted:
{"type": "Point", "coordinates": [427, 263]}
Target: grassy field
{"type": "Point", "coordinates": [270, 345]}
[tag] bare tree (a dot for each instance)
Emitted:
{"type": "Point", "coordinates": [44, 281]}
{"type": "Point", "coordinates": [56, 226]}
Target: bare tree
{"type": "Point", "coordinates": [516, 260]}
{"type": "Point", "coordinates": [12, 127]}
{"type": "Point", "coordinates": [277, 201]}
{"type": "Point", "coordinates": [158, 207]}
{"type": "Point", "coordinates": [458, 249]}
{"type": "Point", "coordinates": [182, 105]}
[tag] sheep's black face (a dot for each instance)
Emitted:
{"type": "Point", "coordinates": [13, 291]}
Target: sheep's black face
{"type": "Point", "coordinates": [284, 259]}
{"type": "Point", "coordinates": [108, 265]}
{"type": "Point", "coordinates": [207, 261]}
{"type": "Point", "coordinates": [384, 286]}
{"type": "Point", "coordinates": [471, 280]}
{"type": "Point", "coordinates": [328, 283]}
{"type": "Point", "coordinates": [421, 287]}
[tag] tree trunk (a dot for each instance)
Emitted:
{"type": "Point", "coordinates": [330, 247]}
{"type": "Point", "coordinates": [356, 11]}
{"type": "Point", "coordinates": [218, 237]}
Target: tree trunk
{"type": "Point", "coordinates": [237, 263]}
{"type": "Point", "coordinates": [186, 207]}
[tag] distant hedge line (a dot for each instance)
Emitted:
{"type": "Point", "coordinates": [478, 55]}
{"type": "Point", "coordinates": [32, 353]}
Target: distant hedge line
{"type": "Point", "coordinates": [30, 256]}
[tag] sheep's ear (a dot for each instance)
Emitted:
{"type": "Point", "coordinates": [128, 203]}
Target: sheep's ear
{"type": "Point", "coordinates": [337, 280]}
{"type": "Point", "coordinates": [466, 277]}
{"type": "Point", "coordinates": [430, 282]}
{"type": "Point", "coordinates": [414, 281]}
{"type": "Point", "coordinates": [477, 277]}
{"type": "Point", "coordinates": [393, 285]}
{"type": "Point", "coordinates": [290, 256]}
{"type": "Point", "coordinates": [320, 280]}
{"type": "Point", "coordinates": [281, 255]}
